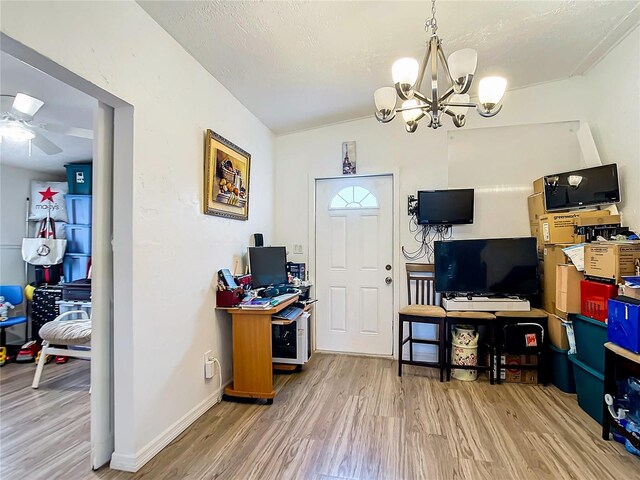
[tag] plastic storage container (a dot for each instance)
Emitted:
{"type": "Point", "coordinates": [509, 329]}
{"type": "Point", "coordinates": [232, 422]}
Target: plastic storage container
{"type": "Point", "coordinates": [590, 335]}
{"type": "Point", "coordinates": [76, 266]}
{"type": "Point", "coordinates": [562, 370]}
{"type": "Point", "coordinates": [594, 297]}
{"type": "Point", "coordinates": [78, 238]}
{"type": "Point", "coordinates": [624, 324]}
{"type": "Point", "coordinates": [79, 178]}
{"type": "Point", "coordinates": [65, 307]}
{"type": "Point", "coordinates": [590, 388]}
{"type": "Point", "coordinates": [79, 209]}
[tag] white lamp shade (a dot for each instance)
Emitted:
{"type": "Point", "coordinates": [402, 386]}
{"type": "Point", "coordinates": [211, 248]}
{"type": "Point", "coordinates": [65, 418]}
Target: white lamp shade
{"type": "Point", "coordinates": [411, 115]}
{"type": "Point", "coordinates": [385, 98]}
{"type": "Point", "coordinates": [458, 98]}
{"type": "Point", "coordinates": [27, 105]}
{"type": "Point", "coordinates": [463, 62]}
{"type": "Point", "coordinates": [405, 70]}
{"type": "Point", "coordinates": [491, 89]}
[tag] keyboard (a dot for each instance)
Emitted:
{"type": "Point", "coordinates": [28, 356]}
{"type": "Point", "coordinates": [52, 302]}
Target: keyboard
{"type": "Point", "coordinates": [289, 313]}
{"type": "Point", "coordinates": [283, 298]}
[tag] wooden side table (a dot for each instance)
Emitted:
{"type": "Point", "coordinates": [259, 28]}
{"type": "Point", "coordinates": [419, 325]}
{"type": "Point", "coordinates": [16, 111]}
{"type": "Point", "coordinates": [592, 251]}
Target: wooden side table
{"type": "Point", "coordinates": [252, 353]}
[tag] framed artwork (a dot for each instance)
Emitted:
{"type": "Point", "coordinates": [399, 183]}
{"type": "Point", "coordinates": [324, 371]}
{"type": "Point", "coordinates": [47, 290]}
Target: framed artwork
{"type": "Point", "coordinates": [226, 178]}
{"type": "Point", "coordinates": [349, 158]}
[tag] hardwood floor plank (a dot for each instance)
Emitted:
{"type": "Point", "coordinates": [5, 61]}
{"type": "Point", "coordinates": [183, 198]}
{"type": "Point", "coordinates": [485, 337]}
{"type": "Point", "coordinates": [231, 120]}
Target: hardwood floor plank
{"type": "Point", "coordinates": [342, 417]}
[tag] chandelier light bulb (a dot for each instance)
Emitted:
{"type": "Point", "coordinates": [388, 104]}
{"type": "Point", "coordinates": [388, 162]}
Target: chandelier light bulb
{"type": "Point", "coordinates": [463, 62]}
{"type": "Point", "coordinates": [385, 98]}
{"type": "Point", "coordinates": [405, 71]}
{"type": "Point", "coordinates": [459, 98]}
{"type": "Point", "coordinates": [491, 90]}
{"type": "Point", "coordinates": [413, 114]}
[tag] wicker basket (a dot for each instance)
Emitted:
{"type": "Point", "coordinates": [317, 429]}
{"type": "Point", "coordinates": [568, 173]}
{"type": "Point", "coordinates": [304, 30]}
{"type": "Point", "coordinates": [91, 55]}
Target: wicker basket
{"type": "Point", "coordinates": [231, 199]}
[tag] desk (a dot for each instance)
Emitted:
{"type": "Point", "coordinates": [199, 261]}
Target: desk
{"type": "Point", "coordinates": [619, 363]}
{"type": "Point", "coordinates": [252, 366]}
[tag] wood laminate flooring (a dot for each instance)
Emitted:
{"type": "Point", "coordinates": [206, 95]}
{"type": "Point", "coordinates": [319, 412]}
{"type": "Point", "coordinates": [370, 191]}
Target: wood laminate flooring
{"type": "Point", "coordinates": [343, 417]}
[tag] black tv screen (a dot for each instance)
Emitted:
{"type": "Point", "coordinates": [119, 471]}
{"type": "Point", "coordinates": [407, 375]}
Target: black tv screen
{"type": "Point", "coordinates": [582, 188]}
{"type": "Point", "coordinates": [445, 207]}
{"type": "Point", "coordinates": [268, 266]}
{"type": "Point", "coordinates": [502, 266]}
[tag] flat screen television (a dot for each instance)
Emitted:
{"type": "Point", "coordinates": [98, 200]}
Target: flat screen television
{"type": "Point", "coordinates": [268, 266]}
{"type": "Point", "coordinates": [582, 188]}
{"type": "Point", "coordinates": [494, 266]}
{"type": "Point", "coordinates": [445, 207]}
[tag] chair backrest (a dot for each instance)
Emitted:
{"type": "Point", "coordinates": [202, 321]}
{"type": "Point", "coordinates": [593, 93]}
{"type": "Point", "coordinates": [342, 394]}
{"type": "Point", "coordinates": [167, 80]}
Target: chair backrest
{"type": "Point", "coordinates": [12, 294]}
{"type": "Point", "coordinates": [422, 276]}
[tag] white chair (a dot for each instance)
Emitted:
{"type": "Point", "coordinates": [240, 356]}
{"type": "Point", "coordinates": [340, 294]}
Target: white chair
{"type": "Point", "coordinates": [64, 331]}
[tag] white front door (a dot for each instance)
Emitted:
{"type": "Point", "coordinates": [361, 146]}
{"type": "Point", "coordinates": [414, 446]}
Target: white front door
{"type": "Point", "coordinates": [354, 265]}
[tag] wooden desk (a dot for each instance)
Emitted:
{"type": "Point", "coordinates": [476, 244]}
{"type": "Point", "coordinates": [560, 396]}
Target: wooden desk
{"type": "Point", "coordinates": [619, 363]}
{"type": "Point", "coordinates": [252, 366]}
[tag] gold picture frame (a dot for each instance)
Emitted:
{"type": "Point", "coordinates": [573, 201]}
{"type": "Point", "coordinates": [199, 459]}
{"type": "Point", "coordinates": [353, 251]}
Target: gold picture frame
{"type": "Point", "coordinates": [226, 178]}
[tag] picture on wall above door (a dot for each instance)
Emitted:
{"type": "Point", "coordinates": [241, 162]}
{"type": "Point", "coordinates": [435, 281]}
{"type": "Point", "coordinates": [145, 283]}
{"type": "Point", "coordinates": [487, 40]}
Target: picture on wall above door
{"type": "Point", "coordinates": [226, 178]}
{"type": "Point", "coordinates": [349, 158]}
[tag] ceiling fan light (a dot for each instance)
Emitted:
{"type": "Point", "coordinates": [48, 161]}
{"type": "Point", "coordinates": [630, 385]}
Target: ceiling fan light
{"type": "Point", "coordinates": [16, 133]}
{"type": "Point", "coordinates": [459, 98]}
{"type": "Point", "coordinates": [385, 98]}
{"type": "Point", "coordinates": [27, 105]}
{"type": "Point", "coordinates": [491, 91]}
{"type": "Point", "coordinates": [405, 71]}
{"type": "Point", "coordinates": [463, 62]}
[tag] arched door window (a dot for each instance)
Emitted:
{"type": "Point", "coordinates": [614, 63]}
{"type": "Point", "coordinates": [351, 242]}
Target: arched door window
{"type": "Point", "coordinates": [353, 197]}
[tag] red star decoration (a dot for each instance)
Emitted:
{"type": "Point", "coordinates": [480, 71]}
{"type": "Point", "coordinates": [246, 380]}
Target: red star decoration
{"type": "Point", "coordinates": [48, 194]}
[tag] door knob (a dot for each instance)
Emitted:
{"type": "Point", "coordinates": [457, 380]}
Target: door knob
{"type": "Point", "coordinates": [388, 280]}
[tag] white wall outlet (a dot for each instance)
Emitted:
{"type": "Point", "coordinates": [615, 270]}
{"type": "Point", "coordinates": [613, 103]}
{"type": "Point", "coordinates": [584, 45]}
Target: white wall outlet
{"type": "Point", "coordinates": [208, 364]}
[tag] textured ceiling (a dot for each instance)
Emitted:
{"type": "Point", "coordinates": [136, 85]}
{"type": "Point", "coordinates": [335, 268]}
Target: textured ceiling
{"type": "Point", "coordinates": [62, 105]}
{"type": "Point", "coordinates": [297, 65]}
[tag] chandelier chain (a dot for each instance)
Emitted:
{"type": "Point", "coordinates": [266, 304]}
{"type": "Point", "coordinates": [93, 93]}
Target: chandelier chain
{"type": "Point", "coordinates": [432, 22]}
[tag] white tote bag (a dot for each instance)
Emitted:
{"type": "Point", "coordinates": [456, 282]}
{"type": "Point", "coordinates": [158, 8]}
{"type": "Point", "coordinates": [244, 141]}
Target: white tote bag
{"type": "Point", "coordinates": [46, 249]}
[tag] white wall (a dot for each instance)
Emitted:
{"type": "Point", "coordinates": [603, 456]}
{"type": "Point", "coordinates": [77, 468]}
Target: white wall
{"type": "Point", "coordinates": [176, 249]}
{"type": "Point", "coordinates": [612, 101]}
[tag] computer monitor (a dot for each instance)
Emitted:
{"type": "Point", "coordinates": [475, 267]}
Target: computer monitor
{"type": "Point", "coordinates": [268, 266]}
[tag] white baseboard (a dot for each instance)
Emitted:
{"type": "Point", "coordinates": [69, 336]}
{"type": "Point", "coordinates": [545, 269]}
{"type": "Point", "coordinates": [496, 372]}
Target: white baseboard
{"type": "Point", "coordinates": [133, 463]}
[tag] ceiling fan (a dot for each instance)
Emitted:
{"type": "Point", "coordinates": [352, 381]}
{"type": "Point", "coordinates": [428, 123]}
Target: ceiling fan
{"type": "Point", "coordinates": [16, 123]}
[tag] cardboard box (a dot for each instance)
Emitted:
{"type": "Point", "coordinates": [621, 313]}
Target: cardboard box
{"type": "Point", "coordinates": [595, 221]}
{"type": "Point", "coordinates": [510, 372]}
{"type": "Point", "coordinates": [535, 203]}
{"type": "Point", "coordinates": [567, 290]}
{"type": "Point", "coordinates": [552, 256]}
{"type": "Point", "coordinates": [611, 260]}
{"type": "Point", "coordinates": [627, 291]}
{"type": "Point", "coordinates": [560, 227]}
{"type": "Point", "coordinates": [557, 332]}
{"type": "Point", "coordinates": [538, 185]}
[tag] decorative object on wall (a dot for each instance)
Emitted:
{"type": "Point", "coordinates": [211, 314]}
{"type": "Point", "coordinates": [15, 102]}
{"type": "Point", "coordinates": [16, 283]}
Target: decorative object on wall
{"type": "Point", "coordinates": [349, 158]}
{"type": "Point", "coordinates": [226, 178]}
{"type": "Point", "coordinates": [459, 69]}
{"type": "Point", "coordinates": [47, 200]}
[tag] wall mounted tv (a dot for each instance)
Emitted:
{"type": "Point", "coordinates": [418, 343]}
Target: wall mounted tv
{"type": "Point", "coordinates": [494, 266]}
{"type": "Point", "coordinates": [582, 188]}
{"type": "Point", "coordinates": [445, 207]}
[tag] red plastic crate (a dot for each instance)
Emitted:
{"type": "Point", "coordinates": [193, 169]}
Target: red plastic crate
{"type": "Point", "coordinates": [594, 299]}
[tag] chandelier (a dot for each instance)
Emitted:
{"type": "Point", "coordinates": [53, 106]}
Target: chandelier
{"type": "Point", "coordinates": [459, 69]}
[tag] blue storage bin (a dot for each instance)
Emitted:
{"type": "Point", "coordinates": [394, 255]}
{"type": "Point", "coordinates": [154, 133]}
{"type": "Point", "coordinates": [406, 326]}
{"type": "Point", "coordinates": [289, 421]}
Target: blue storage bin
{"type": "Point", "coordinates": [79, 178]}
{"type": "Point", "coordinates": [79, 209]}
{"type": "Point", "coordinates": [590, 389]}
{"type": "Point", "coordinates": [75, 266]}
{"type": "Point", "coordinates": [624, 325]}
{"type": "Point", "coordinates": [590, 335]}
{"type": "Point", "coordinates": [78, 238]}
{"type": "Point", "coordinates": [562, 370]}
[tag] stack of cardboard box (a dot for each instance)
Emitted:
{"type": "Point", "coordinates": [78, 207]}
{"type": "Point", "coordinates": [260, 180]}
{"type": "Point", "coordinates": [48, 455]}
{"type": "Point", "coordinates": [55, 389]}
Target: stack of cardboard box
{"type": "Point", "coordinates": [560, 280]}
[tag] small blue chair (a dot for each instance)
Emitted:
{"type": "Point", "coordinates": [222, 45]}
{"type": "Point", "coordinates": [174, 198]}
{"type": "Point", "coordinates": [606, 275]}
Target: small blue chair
{"type": "Point", "coordinates": [13, 295]}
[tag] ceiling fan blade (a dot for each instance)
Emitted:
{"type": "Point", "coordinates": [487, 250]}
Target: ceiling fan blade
{"type": "Point", "coordinates": [44, 144]}
{"type": "Point", "coordinates": [67, 130]}
{"type": "Point", "coordinates": [26, 106]}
